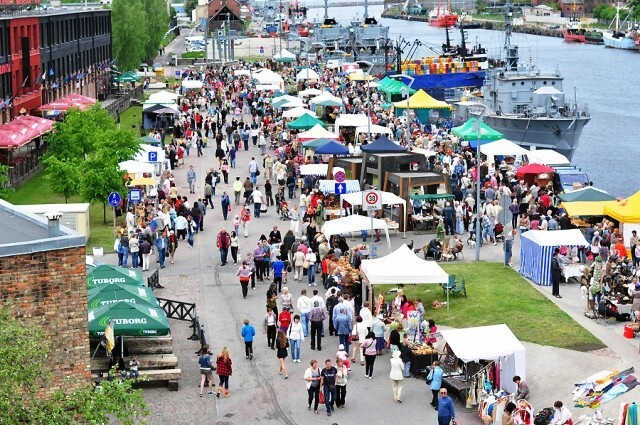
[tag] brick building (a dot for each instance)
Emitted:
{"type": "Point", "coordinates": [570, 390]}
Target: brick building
{"type": "Point", "coordinates": [47, 54]}
{"type": "Point", "coordinates": [42, 277]}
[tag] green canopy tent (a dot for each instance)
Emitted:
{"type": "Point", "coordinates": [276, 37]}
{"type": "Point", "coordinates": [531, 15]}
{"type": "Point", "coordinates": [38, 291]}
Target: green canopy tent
{"type": "Point", "coordinates": [432, 197]}
{"type": "Point", "coordinates": [469, 131]}
{"type": "Point", "coordinates": [305, 122]}
{"type": "Point", "coordinates": [394, 89]}
{"type": "Point", "coordinates": [587, 194]}
{"type": "Point", "coordinates": [102, 295]}
{"type": "Point", "coordinates": [329, 102]}
{"type": "Point", "coordinates": [128, 77]}
{"type": "Point", "coordinates": [108, 274]}
{"type": "Point", "coordinates": [316, 143]}
{"type": "Point", "coordinates": [128, 319]}
{"type": "Point", "coordinates": [149, 140]}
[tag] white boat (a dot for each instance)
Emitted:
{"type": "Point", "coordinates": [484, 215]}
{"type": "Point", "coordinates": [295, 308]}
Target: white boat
{"type": "Point", "coordinates": [620, 39]}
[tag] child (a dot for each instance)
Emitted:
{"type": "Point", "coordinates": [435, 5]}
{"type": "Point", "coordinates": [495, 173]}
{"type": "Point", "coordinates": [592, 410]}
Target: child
{"type": "Point", "coordinates": [248, 332]}
{"type": "Point", "coordinates": [342, 354]}
{"type": "Point", "coordinates": [133, 368]}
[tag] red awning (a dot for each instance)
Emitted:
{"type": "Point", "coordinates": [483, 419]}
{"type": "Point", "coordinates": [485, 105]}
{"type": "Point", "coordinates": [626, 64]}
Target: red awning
{"type": "Point", "coordinates": [73, 100]}
{"type": "Point", "coordinates": [534, 169]}
{"type": "Point", "coordinates": [22, 130]}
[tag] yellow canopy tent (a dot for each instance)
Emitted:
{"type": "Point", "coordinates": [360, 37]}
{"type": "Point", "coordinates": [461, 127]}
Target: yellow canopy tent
{"type": "Point", "coordinates": [625, 211]}
{"type": "Point", "coordinates": [421, 100]}
{"type": "Point", "coordinates": [586, 209]}
{"type": "Point", "coordinates": [360, 76]}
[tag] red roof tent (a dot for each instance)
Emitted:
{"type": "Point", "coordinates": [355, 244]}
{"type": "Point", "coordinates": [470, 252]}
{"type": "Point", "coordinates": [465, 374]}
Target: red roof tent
{"type": "Point", "coordinates": [22, 130]}
{"type": "Point", "coordinates": [72, 101]}
{"type": "Point", "coordinates": [534, 169]}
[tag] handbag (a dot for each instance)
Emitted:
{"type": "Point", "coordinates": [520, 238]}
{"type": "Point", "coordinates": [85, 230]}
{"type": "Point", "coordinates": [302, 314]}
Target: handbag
{"type": "Point", "coordinates": [355, 337]}
{"type": "Point", "coordinates": [321, 399]}
{"type": "Point", "coordinates": [257, 172]}
{"type": "Point", "coordinates": [306, 264]}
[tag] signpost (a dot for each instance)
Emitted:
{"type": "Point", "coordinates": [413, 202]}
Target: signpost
{"type": "Point", "coordinates": [135, 195]}
{"type": "Point", "coordinates": [340, 176]}
{"type": "Point", "coordinates": [114, 200]}
{"type": "Point", "coordinates": [371, 202]}
{"type": "Point", "coordinates": [262, 50]}
{"type": "Point", "coordinates": [340, 188]}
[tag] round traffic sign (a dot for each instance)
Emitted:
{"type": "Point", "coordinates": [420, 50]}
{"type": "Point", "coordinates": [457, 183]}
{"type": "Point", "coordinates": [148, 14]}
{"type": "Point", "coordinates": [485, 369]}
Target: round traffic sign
{"type": "Point", "coordinates": [340, 176]}
{"type": "Point", "coordinates": [371, 198]}
{"type": "Point", "coordinates": [114, 199]}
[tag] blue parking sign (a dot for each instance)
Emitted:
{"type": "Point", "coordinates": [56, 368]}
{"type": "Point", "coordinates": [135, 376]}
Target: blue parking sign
{"type": "Point", "coordinates": [153, 156]}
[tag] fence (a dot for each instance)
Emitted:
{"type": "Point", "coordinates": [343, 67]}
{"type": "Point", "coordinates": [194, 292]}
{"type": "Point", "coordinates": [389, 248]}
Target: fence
{"type": "Point", "coordinates": [180, 310]}
{"type": "Point", "coordinates": [116, 106]}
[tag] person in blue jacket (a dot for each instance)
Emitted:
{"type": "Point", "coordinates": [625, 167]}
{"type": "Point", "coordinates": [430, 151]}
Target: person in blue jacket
{"type": "Point", "coordinates": [435, 382]}
{"type": "Point", "coordinates": [248, 332]}
{"type": "Point", "coordinates": [446, 413]}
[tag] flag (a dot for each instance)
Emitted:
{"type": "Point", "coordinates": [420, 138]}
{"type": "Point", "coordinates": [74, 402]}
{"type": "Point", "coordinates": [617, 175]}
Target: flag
{"type": "Point", "coordinates": [38, 78]}
{"type": "Point", "coordinates": [24, 83]}
{"type": "Point", "coordinates": [44, 75]}
{"type": "Point", "coordinates": [108, 334]}
{"type": "Point", "coordinates": [51, 72]}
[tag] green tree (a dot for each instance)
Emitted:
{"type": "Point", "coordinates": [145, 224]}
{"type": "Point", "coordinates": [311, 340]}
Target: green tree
{"type": "Point", "coordinates": [157, 21]}
{"type": "Point", "coordinates": [5, 189]}
{"type": "Point", "coordinates": [129, 32]}
{"type": "Point", "coordinates": [23, 353]}
{"type": "Point", "coordinates": [190, 5]}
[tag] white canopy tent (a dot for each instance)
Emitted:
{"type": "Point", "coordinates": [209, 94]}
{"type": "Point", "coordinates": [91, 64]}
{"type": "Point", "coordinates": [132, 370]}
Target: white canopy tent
{"type": "Point", "coordinates": [163, 96]}
{"type": "Point", "coordinates": [316, 132]}
{"type": "Point", "coordinates": [402, 267]}
{"type": "Point", "coordinates": [374, 129]}
{"type": "Point", "coordinates": [191, 85]}
{"type": "Point", "coordinates": [297, 112]}
{"type": "Point", "coordinates": [318, 170]}
{"type": "Point", "coordinates": [502, 147]}
{"type": "Point", "coordinates": [387, 198]}
{"type": "Point", "coordinates": [307, 74]}
{"type": "Point", "coordinates": [162, 161]}
{"type": "Point", "coordinates": [284, 54]}
{"type": "Point", "coordinates": [136, 167]}
{"type": "Point", "coordinates": [349, 120]}
{"type": "Point", "coordinates": [547, 157]}
{"type": "Point", "coordinates": [169, 104]}
{"type": "Point", "coordinates": [294, 103]}
{"type": "Point", "coordinates": [536, 251]}
{"type": "Point", "coordinates": [495, 342]}
{"type": "Point", "coordinates": [326, 96]}
{"type": "Point", "coordinates": [355, 223]}
{"type": "Point", "coordinates": [310, 92]}
{"type": "Point", "coordinates": [240, 72]}
{"type": "Point", "coordinates": [266, 76]}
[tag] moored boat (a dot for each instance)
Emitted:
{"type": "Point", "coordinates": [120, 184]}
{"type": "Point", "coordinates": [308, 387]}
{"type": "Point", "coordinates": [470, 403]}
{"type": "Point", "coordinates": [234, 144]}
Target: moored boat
{"type": "Point", "coordinates": [443, 17]}
{"type": "Point", "coordinates": [618, 38]}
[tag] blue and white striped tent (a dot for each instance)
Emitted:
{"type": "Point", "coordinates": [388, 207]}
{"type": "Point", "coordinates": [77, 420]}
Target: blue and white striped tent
{"type": "Point", "coordinates": [328, 186]}
{"type": "Point", "coordinates": [536, 251]}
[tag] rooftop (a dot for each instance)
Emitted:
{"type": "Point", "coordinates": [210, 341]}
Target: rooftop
{"type": "Point", "coordinates": [11, 12]}
{"type": "Point", "coordinates": [24, 233]}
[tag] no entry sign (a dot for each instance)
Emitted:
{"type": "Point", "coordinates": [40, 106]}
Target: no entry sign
{"type": "Point", "coordinates": [371, 200]}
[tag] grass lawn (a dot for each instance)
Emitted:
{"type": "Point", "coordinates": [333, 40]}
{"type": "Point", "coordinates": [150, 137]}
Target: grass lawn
{"type": "Point", "coordinates": [131, 119]}
{"type": "Point", "coordinates": [36, 191]}
{"type": "Point", "coordinates": [495, 295]}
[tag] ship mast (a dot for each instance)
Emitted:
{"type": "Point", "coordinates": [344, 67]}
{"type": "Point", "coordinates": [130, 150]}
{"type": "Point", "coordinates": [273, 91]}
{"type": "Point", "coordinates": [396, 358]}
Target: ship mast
{"type": "Point", "coordinates": [511, 52]}
{"type": "Point", "coordinates": [326, 9]}
{"type": "Point", "coordinates": [366, 9]}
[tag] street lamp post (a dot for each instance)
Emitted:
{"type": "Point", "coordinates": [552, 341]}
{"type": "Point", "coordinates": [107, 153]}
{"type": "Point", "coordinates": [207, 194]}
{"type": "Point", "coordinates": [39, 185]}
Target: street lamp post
{"type": "Point", "coordinates": [478, 233]}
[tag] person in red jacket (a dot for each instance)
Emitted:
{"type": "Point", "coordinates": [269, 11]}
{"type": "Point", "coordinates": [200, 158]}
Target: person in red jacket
{"type": "Point", "coordinates": [224, 369]}
{"type": "Point", "coordinates": [285, 319]}
{"type": "Point", "coordinates": [223, 243]}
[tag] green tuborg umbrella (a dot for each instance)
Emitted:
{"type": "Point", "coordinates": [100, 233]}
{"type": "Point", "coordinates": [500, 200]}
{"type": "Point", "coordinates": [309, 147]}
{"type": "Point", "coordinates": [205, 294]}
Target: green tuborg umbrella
{"type": "Point", "coordinates": [128, 319]}
{"type": "Point", "coordinates": [305, 122]}
{"type": "Point", "coordinates": [107, 274]}
{"type": "Point", "coordinates": [102, 295]}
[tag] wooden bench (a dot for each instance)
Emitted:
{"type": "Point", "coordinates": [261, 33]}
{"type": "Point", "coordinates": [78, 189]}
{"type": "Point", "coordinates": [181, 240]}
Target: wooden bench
{"type": "Point", "coordinates": [146, 361]}
{"type": "Point", "coordinates": [170, 376]}
{"type": "Point", "coordinates": [144, 345]}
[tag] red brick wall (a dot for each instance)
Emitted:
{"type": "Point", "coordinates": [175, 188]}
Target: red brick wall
{"type": "Point", "coordinates": [49, 288]}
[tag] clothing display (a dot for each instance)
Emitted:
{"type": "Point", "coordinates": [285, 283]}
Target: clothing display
{"type": "Point", "coordinates": [603, 387]}
{"type": "Point", "coordinates": [628, 414]}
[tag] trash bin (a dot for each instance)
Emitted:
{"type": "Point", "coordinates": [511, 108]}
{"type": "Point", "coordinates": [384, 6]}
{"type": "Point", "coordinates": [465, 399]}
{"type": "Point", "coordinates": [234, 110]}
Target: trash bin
{"type": "Point", "coordinates": [99, 252]}
{"type": "Point", "coordinates": [628, 332]}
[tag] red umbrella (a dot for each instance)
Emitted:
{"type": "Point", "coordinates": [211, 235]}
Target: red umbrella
{"type": "Point", "coordinates": [534, 169]}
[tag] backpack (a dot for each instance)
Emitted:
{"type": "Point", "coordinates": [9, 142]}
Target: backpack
{"type": "Point", "coordinates": [544, 416]}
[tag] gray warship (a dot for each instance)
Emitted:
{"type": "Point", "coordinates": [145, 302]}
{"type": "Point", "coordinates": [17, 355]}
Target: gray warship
{"type": "Point", "coordinates": [527, 105]}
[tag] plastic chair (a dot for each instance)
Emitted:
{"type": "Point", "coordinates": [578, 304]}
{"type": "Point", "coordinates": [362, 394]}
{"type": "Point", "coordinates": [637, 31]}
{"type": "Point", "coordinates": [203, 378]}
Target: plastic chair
{"type": "Point", "coordinates": [449, 286]}
{"type": "Point", "coordinates": [374, 252]}
{"type": "Point", "coordinates": [460, 289]}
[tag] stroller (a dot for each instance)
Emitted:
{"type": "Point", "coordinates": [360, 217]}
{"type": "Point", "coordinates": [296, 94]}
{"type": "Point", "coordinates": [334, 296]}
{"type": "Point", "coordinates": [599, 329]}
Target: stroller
{"type": "Point", "coordinates": [499, 232]}
{"type": "Point", "coordinates": [284, 211]}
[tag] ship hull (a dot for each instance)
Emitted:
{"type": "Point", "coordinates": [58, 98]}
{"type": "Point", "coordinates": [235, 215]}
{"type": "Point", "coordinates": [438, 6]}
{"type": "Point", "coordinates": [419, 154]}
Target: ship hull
{"type": "Point", "coordinates": [573, 37]}
{"type": "Point", "coordinates": [618, 43]}
{"type": "Point", "coordinates": [437, 84]}
{"type": "Point", "coordinates": [443, 21]}
{"type": "Point", "coordinates": [559, 134]}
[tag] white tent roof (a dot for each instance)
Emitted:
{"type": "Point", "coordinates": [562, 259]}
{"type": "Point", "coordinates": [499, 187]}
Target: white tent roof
{"type": "Point", "coordinates": [350, 120]}
{"type": "Point", "coordinates": [547, 157]}
{"type": "Point", "coordinates": [318, 169]}
{"type": "Point", "coordinates": [572, 237]}
{"type": "Point", "coordinates": [192, 84]}
{"type": "Point", "coordinates": [316, 132]}
{"type": "Point", "coordinates": [296, 102]}
{"type": "Point", "coordinates": [424, 152]}
{"type": "Point", "coordinates": [284, 53]}
{"type": "Point", "coordinates": [169, 104]}
{"type": "Point", "coordinates": [143, 154]}
{"type": "Point", "coordinates": [307, 74]}
{"type": "Point", "coordinates": [375, 129]}
{"type": "Point", "coordinates": [355, 223]}
{"type": "Point", "coordinates": [266, 76]}
{"type": "Point", "coordinates": [502, 147]}
{"type": "Point", "coordinates": [163, 96]}
{"type": "Point", "coordinates": [135, 167]}
{"type": "Point", "coordinates": [239, 72]}
{"type": "Point", "coordinates": [326, 96]}
{"type": "Point", "coordinates": [310, 92]}
{"type": "Point", "coordinates": [387, 198]}
{"type": "Point", "coordinates": [401, 266]}
{"type": "Point", "coordinates": [297, 112]}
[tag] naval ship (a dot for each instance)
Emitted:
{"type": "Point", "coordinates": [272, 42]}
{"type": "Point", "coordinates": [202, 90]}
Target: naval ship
{"type": "Point", "coordinates": [526, 104]}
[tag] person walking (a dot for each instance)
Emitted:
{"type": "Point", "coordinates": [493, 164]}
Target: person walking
{"type": "Point", "coordinates": [134, 249]}
{"type": "Point", "coordinates": [396, 375]}
{"type": "Point", "coordinates": [245, 218]}
{"type": "Point", "coordinates": [446, 412]}
{"type": "Point", "coordinates": [234, 247]}
{"type": "Point", "coordinates": [434, 380]}
{"type": "Point", "coordinates": [208, 193]}
{"type": "Point", "coordinates": [172, 245]}
{"type": "Point", "coordinates": [224, 369]}
{"type": "Point", "coordinates": [379, 328]}
{"type": "Point", "coordinates": [206, 374]}
{"type": "Point", "coordinates": [244, 272]}
{"type": "Point", "coordinates": [357, 337]}
{"type": "Point", "coordinates": [508, 247]}
{"type": "Point", "coordinates": [304, 307]}
{"type": "Point", "coordinates": [223, 243]}
{"type": "Point", "coordinates": [237, 190]}
{"type": "Point", "coordinates": [313, 378]}
{"type": "Point", "coordinates": [269, 326]}
{"type": "Point", "coordinates": [161, 245]}
{"type": "Point", "coordinates": [341, 383]}
{"type": "Point", "coordinates": [316, 317]}
{"type": "Point", "coordinates": [310, 260]}
{"type": "Point", "coordinates": [282, 346]}
{"type": "Point", "coordinates": [279, 269]}
{"type": "Point", "coordinates": [298, 264]}
{"type": "Point", "coordinates": [342, 324]}
{"type": "Point", "coordinates": [248, 332]}
{"type": "Point", "coordinates": [191, 179]}
{"type": "Point", "coordinates": [370, 353]}
{"type": "Point", "coordinates": [556, 273]}
{"type": "Point", "coordinates": [145, 249]}
{"type": "Point", "coordinates": [328, 381]}
{"type": "Point", "coordinates": [226, 204]}
{"type": "Point", "coordinates": [295, 335]}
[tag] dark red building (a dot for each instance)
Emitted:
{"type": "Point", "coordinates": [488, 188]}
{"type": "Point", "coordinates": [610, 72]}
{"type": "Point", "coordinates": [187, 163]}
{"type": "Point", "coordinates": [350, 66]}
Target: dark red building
{"type": "Point", "coordinates": [24, 40]}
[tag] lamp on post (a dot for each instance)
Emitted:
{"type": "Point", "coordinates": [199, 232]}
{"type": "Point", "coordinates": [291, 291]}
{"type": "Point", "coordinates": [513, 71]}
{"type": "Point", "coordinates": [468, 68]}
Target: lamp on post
{"type": "Point", "coordinates": [478, 179]}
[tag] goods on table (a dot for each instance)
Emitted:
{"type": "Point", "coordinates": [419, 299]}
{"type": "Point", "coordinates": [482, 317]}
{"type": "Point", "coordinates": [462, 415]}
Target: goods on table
{"type": "Point", "coordinates": [422, 349]}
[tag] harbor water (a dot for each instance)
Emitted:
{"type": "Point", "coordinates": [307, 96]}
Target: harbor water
{"type": "Point", "coordinates": [604, 79]}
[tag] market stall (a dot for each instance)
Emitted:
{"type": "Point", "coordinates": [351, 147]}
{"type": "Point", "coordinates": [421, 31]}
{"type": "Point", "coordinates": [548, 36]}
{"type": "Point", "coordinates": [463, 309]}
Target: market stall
{"type": "Point", "coordinates": [316, 132]}
{"type": "Point", "coordinates": [627, 212]}
{"type": "Point", "coordinates": [486, 343]}
{"type": "Point", "coordinates": [536, 252]}
{"type": "Point", "coordinates": [355, 223]}
{"type": "Point", "coordinates": [425, 106]}
{"type": "Point", "coordinates": [473, 130]}
{"type": "Point", "coordinates": [387, 198]}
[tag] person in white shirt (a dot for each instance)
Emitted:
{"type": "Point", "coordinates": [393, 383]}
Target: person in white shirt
{"type": "Point", "coordinates": [304, 305]}
{"type": "Point", "coordinates": [561, 415]}
{"type": "Point", "coordinates": [256, 195]}
{"type": "Point", "coordinates": [303, 203]}
{"type": "Point", "coordinates": [318, 298]}
{"type": "Point", "coordinates": [295, 334]}
{"type": "Point", "coordinates": [367, 316]}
